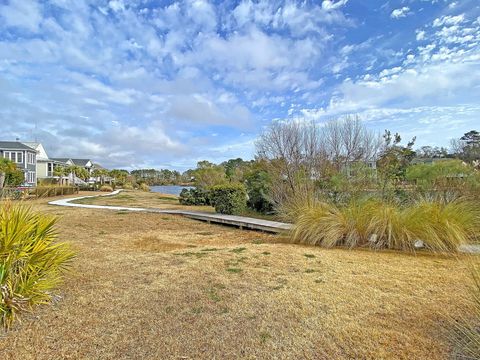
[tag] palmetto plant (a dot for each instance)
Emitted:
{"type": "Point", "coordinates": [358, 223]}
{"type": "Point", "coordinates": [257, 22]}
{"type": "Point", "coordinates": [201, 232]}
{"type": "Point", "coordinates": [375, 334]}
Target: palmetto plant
{"type": "Point", "coordinates": [31, 261]}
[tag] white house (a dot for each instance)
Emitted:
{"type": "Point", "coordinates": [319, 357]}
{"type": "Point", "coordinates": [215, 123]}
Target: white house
{"type": "Point", "coordinates": [45, 165]}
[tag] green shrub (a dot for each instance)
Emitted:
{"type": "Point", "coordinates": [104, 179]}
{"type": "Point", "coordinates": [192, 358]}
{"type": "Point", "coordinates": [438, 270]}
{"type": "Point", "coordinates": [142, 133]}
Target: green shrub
{"type": "Point", "coordinates": [195, 196]}
{"type": "Point", "coordinates": [106, 188]}
{"type": "Point", "coordinates": [229, 198]}
{"type": "Point", "coordinates": [127, 186]}
{"type": "Point", "coordinates": [31, 262]}
{"type": "Point", "coordinates": [258, 189]}
{"type": "Point", "coordinates": [144, 187]}
{"type": "Point", "coordinates": [14, 178]}
{"type": "Point", "coordinates": [384, 225]}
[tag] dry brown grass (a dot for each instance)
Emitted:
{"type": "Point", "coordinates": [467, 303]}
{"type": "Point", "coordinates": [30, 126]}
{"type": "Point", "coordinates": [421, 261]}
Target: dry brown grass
{"type": "Point", "coordinates": [135, 198]}
{"type": "Point", "coordinates": [153, 286]}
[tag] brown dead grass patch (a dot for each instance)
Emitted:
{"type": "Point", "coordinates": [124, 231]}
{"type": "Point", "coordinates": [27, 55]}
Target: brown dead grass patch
{"type": "Point", "coordinates": [134, 198]}
{"type": "Point", "coordinates": [154, 243]}
{"type": "Point", "coordinates": [153, 286]}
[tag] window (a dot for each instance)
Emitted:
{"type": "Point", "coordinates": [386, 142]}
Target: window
{"type": "Point", "coordinates": [31, 158]}
{"type": "Point", "coordinates": [16, 157]}
{"type": "Point", "coordinates": [31, 177]}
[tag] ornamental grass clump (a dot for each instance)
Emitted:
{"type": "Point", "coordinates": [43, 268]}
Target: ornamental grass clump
{"type": "Point", "coordinates": [385, 225]}
{"type": "Point", "coordinates": [444, 227]}
{"type": "Point", "coordinates": [467, 334]}
{"type": "Point", "coordinates": [32, 263]}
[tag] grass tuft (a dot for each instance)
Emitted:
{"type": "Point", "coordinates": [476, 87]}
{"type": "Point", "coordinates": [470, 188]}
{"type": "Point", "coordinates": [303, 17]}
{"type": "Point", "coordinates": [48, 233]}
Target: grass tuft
{"type": "Point", "coordinates": [234, 270]}
{"type": "Point", "coordinates": [383, 225]}
{"type": "Point", "coordinates": [467, 337]}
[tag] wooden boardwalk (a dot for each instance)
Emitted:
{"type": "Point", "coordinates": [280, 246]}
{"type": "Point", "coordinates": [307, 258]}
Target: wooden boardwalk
{"type": "Point", "coordinates": [241, 222]}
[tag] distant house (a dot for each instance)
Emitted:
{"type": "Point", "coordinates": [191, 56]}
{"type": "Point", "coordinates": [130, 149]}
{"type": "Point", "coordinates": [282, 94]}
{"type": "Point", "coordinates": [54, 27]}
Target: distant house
{"type": "Point", "coordinates": [351, 167]}
{"type": "Point", "coordinates": [428, 160]}
{"type": "Point", "coordinates": [87, 164]}
{"type": "Point", "coordinates": [33, 160]}
{"type": "Point", "coordinates": [45, 165]}
{"type": "Point", "coordinates": [24, 157]}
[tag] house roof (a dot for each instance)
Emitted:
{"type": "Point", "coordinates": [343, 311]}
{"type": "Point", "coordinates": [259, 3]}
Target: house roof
{"type": "Point", "coordinates": [77, 162]}
{"type": "Point", "coordinates": [63, 160]}
{"type": "Point", "coordinates": [14, 145]}
{"type": "Point", "coordinates": [55, 161]}
{"type": "Point", "coordinates": [41, 153]}
{"type": "Point", "coordinates": [81, 162]}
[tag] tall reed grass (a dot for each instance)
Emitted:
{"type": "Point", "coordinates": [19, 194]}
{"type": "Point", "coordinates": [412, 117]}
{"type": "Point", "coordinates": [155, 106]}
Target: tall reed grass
{"type": "Point", "coordinates": [384, 225]}
{"type": "Point", "coordinates": [467, 334]}
{"type": "Point", "coordinates": [31, 261]}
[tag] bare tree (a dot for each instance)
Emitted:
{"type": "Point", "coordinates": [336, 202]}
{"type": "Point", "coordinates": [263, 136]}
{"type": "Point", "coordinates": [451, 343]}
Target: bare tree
{"type": "Point", "coordinates": [348, 140]}
{"type": "Point", "coordinates": [298, 153]}
{"type": "Point", "coordinates": [294, 152]}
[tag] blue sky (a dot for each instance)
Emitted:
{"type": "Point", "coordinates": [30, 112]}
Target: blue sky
{"type": "Point", "coordinates": [164, 84]}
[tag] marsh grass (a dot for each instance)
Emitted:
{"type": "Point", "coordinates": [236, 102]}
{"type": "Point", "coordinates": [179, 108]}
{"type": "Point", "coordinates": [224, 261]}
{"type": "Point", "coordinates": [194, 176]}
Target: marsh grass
{"type": "Point", "coordinates": [467, 334]}
{"type": "Point", "coordinates": [383, 225]}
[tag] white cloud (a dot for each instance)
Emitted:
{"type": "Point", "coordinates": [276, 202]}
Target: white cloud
{"type": "Point", "coordinates": [420, 35]}
{"type": "Point", "coordinates": [333, 5]}
{"type": "Point", "coordinates": [22, 14]}
{"type": "Point", "coordinates": [401, 12]}
{"type": "Point", "coordinates": [449, 20]}
{"type": "Point", "coordinates": [297, 17]}
{"type": "Point", "coordinates": [116, 5]}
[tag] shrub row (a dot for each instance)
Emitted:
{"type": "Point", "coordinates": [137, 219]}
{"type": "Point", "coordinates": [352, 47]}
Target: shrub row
{"type": "Point", "coordinates": [47, 191]}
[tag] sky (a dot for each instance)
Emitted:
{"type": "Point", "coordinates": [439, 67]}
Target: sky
{"type": "Point", "coordinates": [164, 84]}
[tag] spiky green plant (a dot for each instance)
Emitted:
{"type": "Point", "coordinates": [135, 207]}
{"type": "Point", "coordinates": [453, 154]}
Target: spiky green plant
{"type": "Point", "coordinates": [31, 261]}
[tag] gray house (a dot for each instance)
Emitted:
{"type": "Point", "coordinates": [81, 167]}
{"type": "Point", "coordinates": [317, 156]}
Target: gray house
{"type": "Point", "coordinates": [23, 156]}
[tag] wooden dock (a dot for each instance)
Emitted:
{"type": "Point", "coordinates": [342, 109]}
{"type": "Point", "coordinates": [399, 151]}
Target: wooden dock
{"type": "Point", "coordinates": [241, 222]}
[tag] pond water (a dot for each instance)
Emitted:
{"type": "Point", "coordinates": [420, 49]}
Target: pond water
{"type": "Point", "coordinates": [169, 189]}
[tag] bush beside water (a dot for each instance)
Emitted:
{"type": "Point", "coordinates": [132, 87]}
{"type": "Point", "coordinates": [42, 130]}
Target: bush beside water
{"type": "Point", "coordinates": [229, 198]}
{"type": "Point", "coordinates": [195, 196]}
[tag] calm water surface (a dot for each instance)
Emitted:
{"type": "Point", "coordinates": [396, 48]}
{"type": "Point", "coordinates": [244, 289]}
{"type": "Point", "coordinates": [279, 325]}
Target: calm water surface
{"type": "Point", "coordinates": [169, 189]}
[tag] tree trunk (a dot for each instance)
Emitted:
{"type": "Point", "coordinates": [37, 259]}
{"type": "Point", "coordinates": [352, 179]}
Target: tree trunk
{"type": "Point", "coordinates": [2, 179]}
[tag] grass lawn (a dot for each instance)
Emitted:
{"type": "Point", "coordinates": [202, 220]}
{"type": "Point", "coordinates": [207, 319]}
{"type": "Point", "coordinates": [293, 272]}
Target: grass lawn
{"type": "Point", "coordinates": [156, 200]}
{"type": "Point", "coordinates": [155, 286]}
{"type": "Point", "coordinates": [141, 199]}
